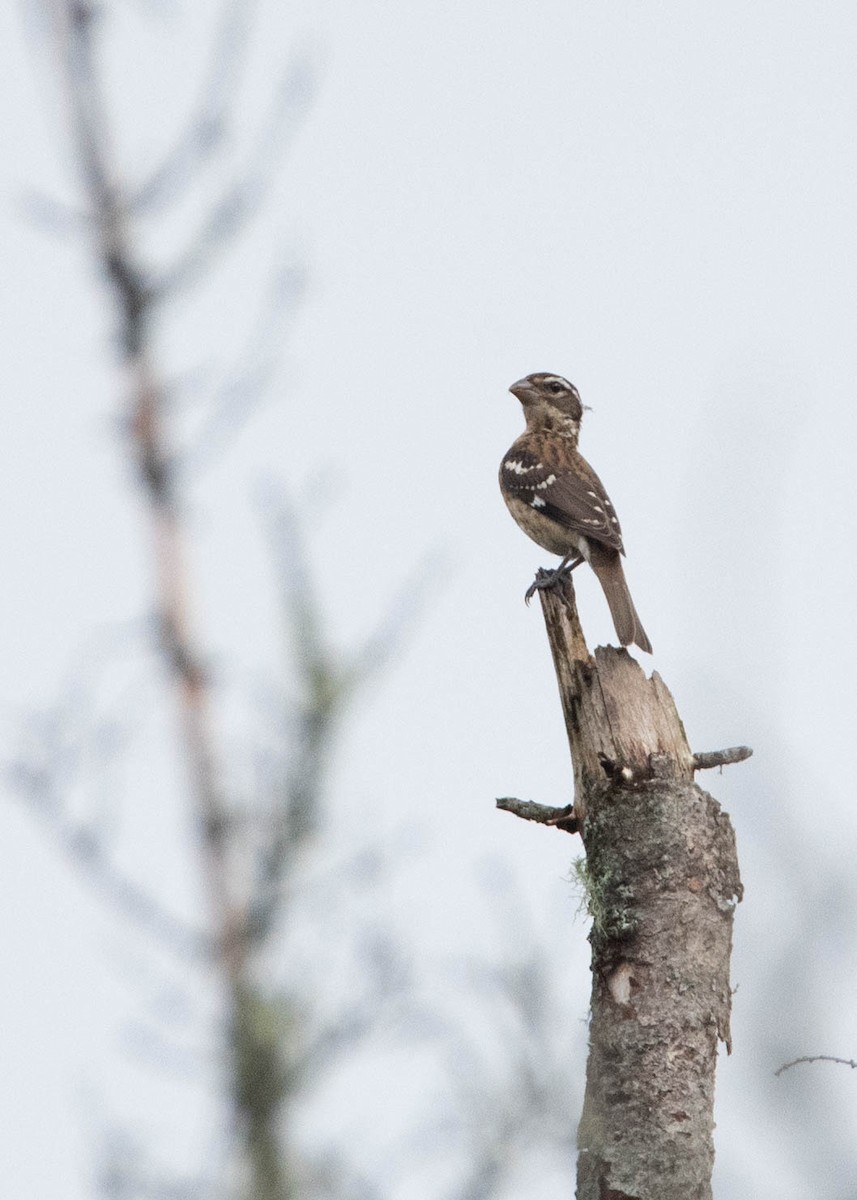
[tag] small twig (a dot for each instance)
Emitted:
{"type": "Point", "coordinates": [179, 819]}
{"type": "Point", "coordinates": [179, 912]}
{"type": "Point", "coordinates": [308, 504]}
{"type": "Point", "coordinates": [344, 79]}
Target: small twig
{"type": "Point", "coordinates": [207, 129]}
{"type": "Point", "coordinates": [707, 759]}
{"type": "Point", "coordinates": [811, 1058]}
{"type": "Point", "coordinates": [544, 814]}
{"type": "Point", "coordinates": [52, 215]}
{"type": "Point", "coordinates": [83, 847]}
{"type": "Point", "coordinates": [248, 384]}
{"type": "Point", "coordinates": [386, 641]}
{"type": "Point", "coordinates": [245, 194]}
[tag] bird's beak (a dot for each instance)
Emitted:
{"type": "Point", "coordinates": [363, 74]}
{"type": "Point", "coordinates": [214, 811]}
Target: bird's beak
{"type": "Point", "coordinates": [523, 389]}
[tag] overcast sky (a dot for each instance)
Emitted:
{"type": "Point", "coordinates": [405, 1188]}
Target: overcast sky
{"type": "Point", "coordinates": [657, 201]}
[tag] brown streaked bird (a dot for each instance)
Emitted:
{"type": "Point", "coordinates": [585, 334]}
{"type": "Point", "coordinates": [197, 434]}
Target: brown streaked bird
{"type": "Point", "coordinates": [558, 500]}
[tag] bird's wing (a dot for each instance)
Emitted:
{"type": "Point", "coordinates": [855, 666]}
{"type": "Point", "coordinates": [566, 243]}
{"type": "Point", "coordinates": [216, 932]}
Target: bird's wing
{"type": "Point", "coordinates": [573, 496]}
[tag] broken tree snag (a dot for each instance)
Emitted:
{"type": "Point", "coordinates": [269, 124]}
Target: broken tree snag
{"type": "Point", "coordinates": [662, 882]}
{"type": "Point", "coordinates": [616, 718]}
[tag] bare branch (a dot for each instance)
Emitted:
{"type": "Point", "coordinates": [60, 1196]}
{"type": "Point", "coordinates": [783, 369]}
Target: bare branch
{"type": "Point", "coordinates": [134, 901]}
{"type": "Point", "coordinates": [82, 846]}
{"type": "Point", "coordinates": [324, 686]}
{"type": "Point", "coordinates": [247, 385]}
{"type": "Point", "coordinates": [52, 215]}
{"type": "Point", "coordinates": [545, 814]}
{"type": "Point", "coordinates": [388, 638]}
{"type": "Point", "coordinates": [207, 128]}
{"type": "Point", "coordinates": [385, 977]}
{"type": "Point", "coordinates": [243, 197]}
{"type": "Point", "coordinates": [812, 1058]}
{"type": "Point", "coordinates": [64, 743]}
{"type": "Point", "coordinates": [74, 21]}
{"type": "Point", "coordinates": [316, 711]}
{"type": "Point", "coordinates": [707, 759]}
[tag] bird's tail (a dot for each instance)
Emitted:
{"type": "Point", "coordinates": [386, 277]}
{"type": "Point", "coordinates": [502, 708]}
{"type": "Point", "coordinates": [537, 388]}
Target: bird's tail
{"type": "Point", "coordinates": [607, 565]}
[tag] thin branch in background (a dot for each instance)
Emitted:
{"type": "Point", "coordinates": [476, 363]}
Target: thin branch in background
{"type": "Point", "coordinates": [510, 1093]}
{"type": "Point", "coordinates": [242, 198]}
{"type": "Point", "coordinates": [321, 669]}
{"type": "Point", "coordinates": [42, 775]}
{"type": "Point", "coordinates": [83, 733]}
{"type": "Point", "coordinates": [325, 684]}
{"type": "Point", "coordinates": [298, 597]}
{"type": "Point", "coordinates": [204, 132]}
{"type": "Point", "coordinates": [397, 623]}
{"type": "Point", "coordinates": [247, 384]}
{"type": "Point", "coordinates": [812, 1058]}
{"type": "Point", "coordinates": [382, 981]}
{"type": "Point", "coordinates": [295, 813]}
{"type": "Point", "coordinates": [51, 215]}
{"type": "Point", "coordinates": [72, 745]}
{"type": "Point", "coordinates": [509, 1075]}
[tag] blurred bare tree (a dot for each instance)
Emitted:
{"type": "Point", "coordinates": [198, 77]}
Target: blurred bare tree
{"type": "Point", "coordinates": [503, 1053]}
{"type": "Point", "coordinates": [250, 846]}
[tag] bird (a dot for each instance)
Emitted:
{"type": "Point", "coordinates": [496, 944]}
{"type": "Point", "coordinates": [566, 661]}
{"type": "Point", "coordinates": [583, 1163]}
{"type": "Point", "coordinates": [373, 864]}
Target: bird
{"type": "Point", "coordinates": [558, 500]}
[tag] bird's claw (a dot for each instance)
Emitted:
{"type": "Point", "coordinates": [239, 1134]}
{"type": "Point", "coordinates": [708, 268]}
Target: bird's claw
{"type": "Point", "coordinates": [549, 579]}
{"type": "Point", "coordinates": [545, 579]}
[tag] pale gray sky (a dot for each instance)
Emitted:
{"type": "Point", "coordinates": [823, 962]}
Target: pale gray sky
{"type": "Point", "coordinates": [657, 201]}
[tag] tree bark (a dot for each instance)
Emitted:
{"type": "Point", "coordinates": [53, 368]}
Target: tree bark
{"type": "Point", "coordinates": [662, 881]}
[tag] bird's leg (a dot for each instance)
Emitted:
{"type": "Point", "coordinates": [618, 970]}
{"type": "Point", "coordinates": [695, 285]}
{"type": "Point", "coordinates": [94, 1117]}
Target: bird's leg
{"type": "Point", "coordinates": [548, 579]}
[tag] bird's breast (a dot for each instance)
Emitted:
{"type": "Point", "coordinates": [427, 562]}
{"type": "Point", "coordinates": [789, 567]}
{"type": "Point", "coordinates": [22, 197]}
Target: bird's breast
{"type": "Point", "coordinates": [558, 539]}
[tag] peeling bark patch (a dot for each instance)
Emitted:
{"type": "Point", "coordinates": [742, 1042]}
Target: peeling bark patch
{"type": "Point", "coordinates": [620, 982]}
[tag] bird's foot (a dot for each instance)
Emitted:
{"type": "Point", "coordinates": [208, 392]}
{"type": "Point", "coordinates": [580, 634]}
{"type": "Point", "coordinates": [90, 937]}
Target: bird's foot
{"type": "Point", "coordinates": [550, 579]}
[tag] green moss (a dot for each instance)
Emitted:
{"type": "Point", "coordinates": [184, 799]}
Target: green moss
{"type": "Point", "coordinates": [609, 901]}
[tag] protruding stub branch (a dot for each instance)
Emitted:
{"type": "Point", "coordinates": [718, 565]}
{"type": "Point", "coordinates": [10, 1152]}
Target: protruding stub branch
{"type": "Point", "coordinates": [706, 759]}
{"type": "Point", "coordinates": [662, 882]}
{"type": "Point", "coordinates": [561, 818]}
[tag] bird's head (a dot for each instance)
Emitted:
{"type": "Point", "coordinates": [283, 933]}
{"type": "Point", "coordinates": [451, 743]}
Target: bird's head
{"type": "Point", "coordinates": [549, 402]}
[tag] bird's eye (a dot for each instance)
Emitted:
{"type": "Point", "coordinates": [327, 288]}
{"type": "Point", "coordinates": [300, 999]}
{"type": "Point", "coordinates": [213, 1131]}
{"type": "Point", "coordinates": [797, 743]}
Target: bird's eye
{"type": "Point", "coordinates": [555, 386]}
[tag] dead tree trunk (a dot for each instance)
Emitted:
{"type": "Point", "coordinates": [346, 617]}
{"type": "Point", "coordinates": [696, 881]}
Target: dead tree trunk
{"type": "Point", "coordinates": [662, 881]}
